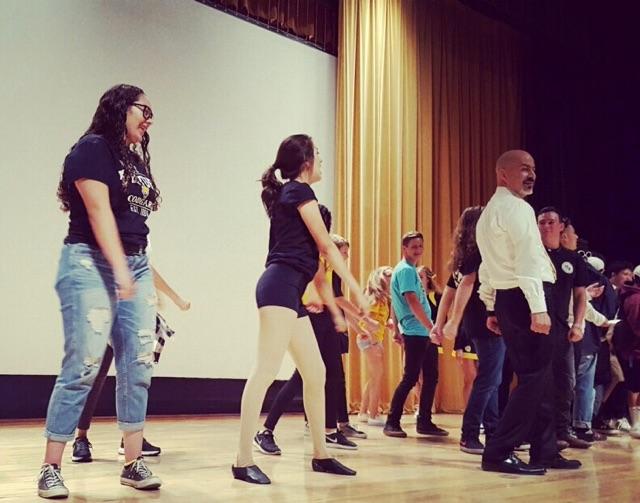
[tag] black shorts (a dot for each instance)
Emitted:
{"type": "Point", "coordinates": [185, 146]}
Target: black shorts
{"type": "Point", "coordinates": [282, 285]}
{"type": "Point", "coordinates": [631, 371]}
{"type": "Point", "coordinates": [463, 342]}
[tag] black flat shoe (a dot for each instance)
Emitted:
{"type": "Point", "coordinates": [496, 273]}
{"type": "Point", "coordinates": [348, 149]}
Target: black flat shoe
{"type": "Point", "coordinates": [559, 463]}
{"type": "Point", "coordinates": [251, 474]}
{"type": "Point", "coordinates": [514, 465]}
{"type": "Point", "coordinates": [331, 465]}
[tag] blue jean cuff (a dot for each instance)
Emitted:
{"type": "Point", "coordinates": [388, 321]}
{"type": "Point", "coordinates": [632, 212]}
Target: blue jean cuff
{"type": "Point", "coordinates": [131, 427]}
{"type": "Point", "coordinates": [55, 437]}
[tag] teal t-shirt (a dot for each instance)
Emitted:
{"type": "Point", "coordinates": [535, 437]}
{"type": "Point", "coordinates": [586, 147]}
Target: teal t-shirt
{"type": "Point", "coordinates": [405, 279]}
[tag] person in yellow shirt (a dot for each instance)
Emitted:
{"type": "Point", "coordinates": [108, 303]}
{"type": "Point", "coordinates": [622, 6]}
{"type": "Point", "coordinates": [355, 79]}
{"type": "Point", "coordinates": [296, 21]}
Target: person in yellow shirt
{"type": "Point", "coordinates": [377, 292]}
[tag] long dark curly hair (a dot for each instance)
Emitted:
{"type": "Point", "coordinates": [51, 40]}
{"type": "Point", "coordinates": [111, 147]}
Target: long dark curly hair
{"type": "Point", "coordinates": [109, 121]}
{"type": "Point", "coordinates": [464, 237]}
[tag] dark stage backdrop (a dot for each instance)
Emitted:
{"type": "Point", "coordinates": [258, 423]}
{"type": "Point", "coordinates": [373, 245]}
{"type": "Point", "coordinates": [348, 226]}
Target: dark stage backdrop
{"type": "Point", "coordinates": [581, 113]}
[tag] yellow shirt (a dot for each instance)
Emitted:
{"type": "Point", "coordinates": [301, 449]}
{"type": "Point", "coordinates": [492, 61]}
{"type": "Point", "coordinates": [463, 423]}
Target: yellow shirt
{"type": "Point", "coordinates": [380, 312]}
{"type": "Point", "coordinates": [311, 292]}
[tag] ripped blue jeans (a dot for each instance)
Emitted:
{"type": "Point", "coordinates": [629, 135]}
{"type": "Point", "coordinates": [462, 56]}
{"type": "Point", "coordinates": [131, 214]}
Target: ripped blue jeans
{"type": "Point", "coordinates": [92, 315]}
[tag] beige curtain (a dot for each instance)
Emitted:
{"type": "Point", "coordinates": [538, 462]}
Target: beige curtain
{"type": "Point", "coordinates": [428, 96]}
{"type": "Point", "coordinates": [376, 148]}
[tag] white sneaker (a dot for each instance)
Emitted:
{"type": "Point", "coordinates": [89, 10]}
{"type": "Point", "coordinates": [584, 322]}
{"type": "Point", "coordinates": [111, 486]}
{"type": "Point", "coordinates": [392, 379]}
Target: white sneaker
{"type": "Point", "coordinates": [377, 421]}
{"type": "Point", "coordinates": [623, 425]}
{"type": "Point", "coordinates": [363, 417]}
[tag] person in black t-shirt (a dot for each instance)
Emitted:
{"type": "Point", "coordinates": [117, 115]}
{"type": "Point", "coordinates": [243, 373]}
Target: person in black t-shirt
{"type": "Point", "coordinates": [469, 313]}
{"type": "Point", "coordinates": [296, 238]}
{"type": "Point", "coordinates": [571, 280]}
{"type": "Point", "coordinates": [328, 343]}
{"type": "Point", "coordinates": [104, 281]}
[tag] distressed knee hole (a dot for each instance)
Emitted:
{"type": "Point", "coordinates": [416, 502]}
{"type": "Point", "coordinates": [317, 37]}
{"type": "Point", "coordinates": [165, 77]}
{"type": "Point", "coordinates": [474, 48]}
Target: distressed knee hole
{"type": "Point", "coordinates": [146, 336]}
{"type": "Point", "coordinates": [90, 366]}
{"type": "Point", "coordinates": [146, 358]}
{"type": "Point", "coordinates": [98, 317]}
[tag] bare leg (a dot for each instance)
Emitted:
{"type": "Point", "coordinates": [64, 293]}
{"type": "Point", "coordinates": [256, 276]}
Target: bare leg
{"type": "Point", "coordinates": [132, 445]}
{"type": "Point", "coordinates": [53, 452]}
{"type": "Point", "coordinates": [375, 361]}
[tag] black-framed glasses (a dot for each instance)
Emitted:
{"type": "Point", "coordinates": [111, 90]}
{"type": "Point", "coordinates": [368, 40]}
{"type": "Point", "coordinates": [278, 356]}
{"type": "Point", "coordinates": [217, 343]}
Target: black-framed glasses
{"type": "Point", "coordinates": [147, 113]}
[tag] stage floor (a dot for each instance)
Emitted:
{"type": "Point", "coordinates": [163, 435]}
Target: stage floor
{"type": "Point", "coordinates": [198, 452]}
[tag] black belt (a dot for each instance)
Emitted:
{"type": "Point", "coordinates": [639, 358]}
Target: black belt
{"type": "Point", "coordinates": [130, 249]}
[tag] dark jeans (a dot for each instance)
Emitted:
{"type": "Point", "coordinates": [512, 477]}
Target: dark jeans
{"type": "Point", "coordinates": [420, 354]}
{"type": "Point", "coordinates": [96, 390]}
{"type": "Point", "coordinates": [564, 379]}
{"type": "Point", "coordinates": [330, 351]}
{"type": "Point", "coordinates": [529, 414]}
{"type": "Point", "coordinates": [483, 400]}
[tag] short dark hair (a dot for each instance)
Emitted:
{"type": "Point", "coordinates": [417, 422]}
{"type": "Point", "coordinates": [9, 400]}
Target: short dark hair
{"type": "Point", "coordinates": [617, 266]}
{"type": "Point", "coordinates": [325, 213]}
{"type": "Point", "coordinates": [411, 235]}
{"type": "Point", "coordinates": [550, 209]}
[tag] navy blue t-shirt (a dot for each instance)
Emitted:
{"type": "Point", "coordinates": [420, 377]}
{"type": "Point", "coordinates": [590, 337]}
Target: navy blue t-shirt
{"type": "Point", "coordinates": [290, 242]}
{"type": "Point", "coordinates": [571, 272]}
{"type": "Point", "coordinates": [92, 158]}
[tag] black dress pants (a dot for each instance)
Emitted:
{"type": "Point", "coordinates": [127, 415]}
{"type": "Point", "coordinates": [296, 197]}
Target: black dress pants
{"type": "Point", "coordinates": [529, 414]}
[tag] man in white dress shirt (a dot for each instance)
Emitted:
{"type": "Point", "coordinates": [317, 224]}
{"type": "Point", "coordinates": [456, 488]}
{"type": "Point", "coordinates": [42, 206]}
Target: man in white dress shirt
{"type": "Point", "coordinates": [516, 285]}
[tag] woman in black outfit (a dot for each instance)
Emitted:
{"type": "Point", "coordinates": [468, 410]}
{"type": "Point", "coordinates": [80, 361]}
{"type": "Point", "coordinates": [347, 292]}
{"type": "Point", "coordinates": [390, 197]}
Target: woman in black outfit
{"type": "Point", "coordinates": [296, 239]}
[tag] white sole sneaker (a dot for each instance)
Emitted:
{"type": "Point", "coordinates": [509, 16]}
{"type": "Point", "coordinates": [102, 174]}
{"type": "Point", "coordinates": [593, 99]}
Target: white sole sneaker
{"type": "Point", "coordinates": [341, 446]}
{"type": "Point", "coordinates": [148, 454]}
{"type": "Point", "coordinates": [54, 493]}
{"type": "Point", "coordinates": [376, 421]}
{"type": "Point", "coordinates": [149, 483]}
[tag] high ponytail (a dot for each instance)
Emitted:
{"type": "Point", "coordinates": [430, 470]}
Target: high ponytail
{"type": "Point", "coordinates": [271, 188]}
{"type": "Point", "coordinates": [293, 152]}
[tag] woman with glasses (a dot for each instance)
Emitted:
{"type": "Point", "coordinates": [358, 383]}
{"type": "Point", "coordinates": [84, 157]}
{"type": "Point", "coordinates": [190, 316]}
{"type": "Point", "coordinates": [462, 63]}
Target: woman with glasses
{"type": "Point", "coordinates": [104, 281]}
{"type": "Point", "coordinates": [296, 239]}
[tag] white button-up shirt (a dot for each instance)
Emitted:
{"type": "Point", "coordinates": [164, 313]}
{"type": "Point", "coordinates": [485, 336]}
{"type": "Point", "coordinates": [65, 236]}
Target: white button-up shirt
{"type": "Point", "coordinates": [512, 252]}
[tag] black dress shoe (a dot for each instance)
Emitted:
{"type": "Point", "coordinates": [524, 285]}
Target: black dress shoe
{"type": "Point", "coordinates": [331, 465]}
{"type": "Point", "coordinates": [559, 463]}
{"type": "Point", "coordinates": [573, 441]}
{"type": "Point", "coordinates": [251, 474]}
{"type": "Point", "coordinates": [512, 464]}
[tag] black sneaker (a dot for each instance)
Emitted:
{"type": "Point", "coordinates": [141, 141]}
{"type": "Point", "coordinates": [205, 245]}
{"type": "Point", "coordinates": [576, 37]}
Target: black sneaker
{"type": "Point", "coordinates": [147, 448]}
{"type": "Point", "coordinates": [50, 483]}
{"type": "Point", "coordinates": [337, 440]}
{"type": "Point", "coordinates": [138, 476]}
{"type": "Point", "coordinates": [81, 450]}
{"type": "Point", "coordinates": [266, 444]}
{"type": "Point", "coordinates": [472, 446]}
{"type": "Point", "coordinates": [349, 431]}
{"type": "Point", "coordinates": [392, 430]}
{"type": "Point", "coordinates": [588, 435]}
{"type": "Point", "coordinates": [431, 429]}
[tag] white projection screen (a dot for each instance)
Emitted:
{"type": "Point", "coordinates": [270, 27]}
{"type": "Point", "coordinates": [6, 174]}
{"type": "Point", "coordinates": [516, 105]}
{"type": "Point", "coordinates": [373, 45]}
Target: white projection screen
{"type": "Point", "coordinates": [225, 92]}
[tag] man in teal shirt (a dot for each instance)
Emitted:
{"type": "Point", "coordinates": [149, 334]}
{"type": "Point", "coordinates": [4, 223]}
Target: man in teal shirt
{"type": "Point", "coordinates": [413, 315]}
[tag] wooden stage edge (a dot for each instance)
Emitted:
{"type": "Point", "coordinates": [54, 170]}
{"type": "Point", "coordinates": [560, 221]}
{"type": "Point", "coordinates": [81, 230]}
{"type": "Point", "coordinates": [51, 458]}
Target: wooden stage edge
{"type": "Point", "coordinates": [198, 451]}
